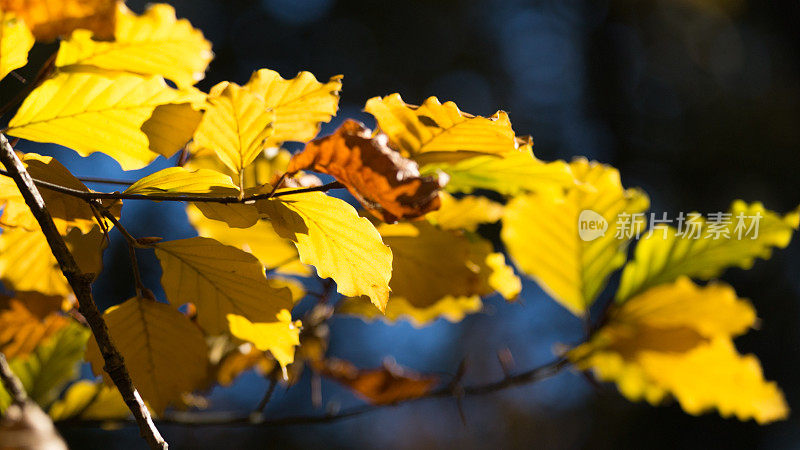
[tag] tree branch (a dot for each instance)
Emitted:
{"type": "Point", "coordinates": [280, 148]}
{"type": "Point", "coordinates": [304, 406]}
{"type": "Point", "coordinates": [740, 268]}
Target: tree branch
{"type": "Point", "coordinates": [11, 382]}
{"type": "Point", "coordinates": [81, 284]}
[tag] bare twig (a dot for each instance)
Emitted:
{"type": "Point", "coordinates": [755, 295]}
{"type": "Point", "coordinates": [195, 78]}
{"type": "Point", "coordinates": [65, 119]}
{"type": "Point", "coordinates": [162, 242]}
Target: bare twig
{"type": "Point", "coordinates": [11, 382]}
{"type": "Point", "coordinates": [273, 383]}
{"type": "Point", "coordinates": [81, 284]}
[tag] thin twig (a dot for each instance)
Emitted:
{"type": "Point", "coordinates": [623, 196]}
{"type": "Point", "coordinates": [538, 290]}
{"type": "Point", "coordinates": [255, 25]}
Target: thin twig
{"type": "Point", "coordinates": [132, 246]}
{"type": "Point", "coordinates": [81, 284]}
{"type": "Point", "coordinates": [273, 383]}
{"type": "Point", "coordinates": [101, 180]}
{"type": "Point", "coordinates": [11, 382]}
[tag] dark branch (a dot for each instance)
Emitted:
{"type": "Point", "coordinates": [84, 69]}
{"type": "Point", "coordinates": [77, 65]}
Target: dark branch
{"type": "Point", "coordinates": [81, 284]}
{"type": "Point", "coordinates": [11, 382]}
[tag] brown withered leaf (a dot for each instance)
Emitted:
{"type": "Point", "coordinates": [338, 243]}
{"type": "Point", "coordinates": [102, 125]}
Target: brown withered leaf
{"type": "Point", "coordinates": [385, 385]}
{"type": "Point", "coordinates": [385, 182]}
{"type": "Point", "coordinates": [49, 19]}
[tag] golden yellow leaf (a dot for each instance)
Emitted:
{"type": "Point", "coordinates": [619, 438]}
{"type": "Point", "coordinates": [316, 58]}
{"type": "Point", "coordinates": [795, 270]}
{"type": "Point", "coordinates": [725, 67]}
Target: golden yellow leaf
{"type": "Point", "coordinates": [165, 353]}
{"type": "Point", "coordinates": [387, 185]}
{"type": "Point", "coordinates": [96, 111]}
{"type": "Point", "coordinates": [260, 240]}
{"type": "Point", "coordinates": [331, 236]}
{"type": "Point", "coordinates": [265, 169]}
{"type": "Point", "coordinates": [465, 213]}
{"type": "Point", "coordinates": [277, 337]}
{"type": "Point", "coordinates": [49, 19]}
{"type": "Point", "coordinates": [676, 339]}
{"type": "Point", "coordinates": [87, 400]}
{"type": "Point", "coordinates": [155, 43]}
{"type": "Point", "coordinates": [299, 104]}
{"type": "Point", "coordinates": [385, 385]}
{"type": "Point", "coordinates": [541, 232]}
{"type": "Point", "coordinates": [219, 280]}
{"type": "Point", "coordinates": [67, 211]}
{"type": "Point", "coordinates": [436, 132]}
{"type": "Point", "coordinates": [15, 41]}
{"type": "Point", "coordinates": [235, 125]}
{"type": "Point", "coordinates": [21, 330]}
{"type": "Point", "coordinates": [439, 272]}
{"type": "Point", "coordinates": [705, 248]}
{"type": "Point", "coordinates": [177, 180]}
{"type": "Point", "coordinates": [26, 263]}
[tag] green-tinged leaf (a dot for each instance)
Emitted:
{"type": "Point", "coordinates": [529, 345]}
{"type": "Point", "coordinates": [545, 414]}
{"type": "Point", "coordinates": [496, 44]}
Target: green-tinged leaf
{"type": "Point", "coordinates": [219, 280]}
{"type": "Point", "coordinates": [89, 400]}
{"type": "Point", "coordinates": [464, 213]}
{"type": "Point", "coordinates": [177, 180]}
{"type": "Point", "coordinates": [541, 232]}
{"type": "Point", "coordinates": [704, 249]}
{"type": "Point", "coordinates": [155, 43]}
{"type": "Point", "coordinates": [113, 113]}
{"type": "Point", "coordinates": [330, 236]}
{"type": "Point", "coordinates": [165, 353]}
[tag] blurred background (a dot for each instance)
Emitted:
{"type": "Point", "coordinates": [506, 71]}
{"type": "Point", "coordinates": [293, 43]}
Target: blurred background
{"type": "Point", "coordinates": [696, 101]}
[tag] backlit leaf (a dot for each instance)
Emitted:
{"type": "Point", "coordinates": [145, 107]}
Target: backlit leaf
{"type": "Point", "coordinates": [386, 183]}
{"type": "Point", "coordinates": [330, 236]}
{"type": "Point", "coordinates": [49, 19]}
{"type": "Point", "coordinates": [15, 41]}
{"type": "Point", "coordinates": [436, 132]}
{"type": "Point", "coordinates": [155, 43]}
{"type": "Point", "coordinates": [165, 353]}
{"type": "Point", "coordinates": [541, 233]}
{"type": "Point", "coordinates": [676, 339]}
{"type": "Point", "coordinates": [465, 213]}
{"type": "Point", "coordinates": [88, 400]}
{"type": "Point", "coordinates": [177, 180]}
{"type": "Point", "coordinates": [663, 255]}
{"type": "Point", "coordinates": [21, 331]}
{"type": "Point", "coordinates": [219, 280]}
{"type": "Point", "coordinates": [300, 104]}
{"type": "Point", "coordinates": [108, 112]}
{"type": "Point", "coordinates": [385, 385]}
{"type": "Point", "coordinates": [279, 337]}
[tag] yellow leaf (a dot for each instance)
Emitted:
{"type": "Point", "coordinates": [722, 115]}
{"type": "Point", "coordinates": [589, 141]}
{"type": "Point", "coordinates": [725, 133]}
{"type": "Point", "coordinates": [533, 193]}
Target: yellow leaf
{"type": "Point", "coordinates": [165, 352]}
{"type": "Point", "coordinates": [512, 174]}
{"type": "Point", "coordinates": [260, 240]}
{"type": "Point", "coordinates": [235, 125]}
{"type": "Point", "coordinates": [87, 400]}
{"type": "Point", "coordinates": [67, 211]}
{"type": "Point", "coordinates": [49, 19]}
{"type": "Point", "coordinates": [26, 263]}
{"type": "Point", "coordinates": [219, 280]}
{"type": "Point", "coordinates": [542, 235]}
{"type": "Point", "coordinates": [465, 213]}
{"type": "Point", "coordinates": [453, 309]}
{"type": "Point", "coordinates": [155, 43]}
{"type": "Point", "coordinates": [15, 41]}
{"type": "Point", "coordinates": [331, 236]}
{"type": "Point", "coordinates": [240, 359]}
{"type": "Point", "coordinates": [704, 249]}
{"type": "Point", "coordinates": [108, 112]}
{"type": "Point", "coordinates": [436, 132]}
{"type": "Point", "coordinates": [277, 337]}
{"type": "Point", "coordinates": [265, 169]}
{"type": "Point", "coordinates": [676, 339]}
{"type": "Point", "coordinates": [439, 272]}
{"type": "Point", "coordinates": [299, 104]}
{"type": "Point", "coordinates": [177, 180]}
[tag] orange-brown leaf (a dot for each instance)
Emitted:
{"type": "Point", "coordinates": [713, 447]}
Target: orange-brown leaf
{"type": "Point", "coordinates": [385, 182]}
{"type": "Point", "coordinates": [385, 385]}
{"type": "Point", "coordinates": [23, 326]}
{"type": "Point", "coordinates": [49, 19]}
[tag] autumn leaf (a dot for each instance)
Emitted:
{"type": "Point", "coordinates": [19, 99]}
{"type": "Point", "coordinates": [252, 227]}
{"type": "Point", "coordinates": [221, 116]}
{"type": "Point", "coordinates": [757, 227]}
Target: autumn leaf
{"type": "Point", "coordinates": [49, 19]}
{"type": "Point", "coordinates": [67, 211]}
{"type": "Point", "coordinates": [178, 180]}
{"type": "Point", "coordinates": [118, 114]}
{"type": "Point", "coordinates": [241, 359]}
{"type": "Point", "coordinates": [438, 273]}
{"type": "Point", "coordinates": [330, 236]}
{"type": "Point", "coordinates": [21, 330]}
{"type": "Point", "coordinates": [235, 125]}
{"type": "Point", "coordinates": [267, 168]}
{"type": "Point", "coordinates": [219, 280]}
{"type": "Point", "coordinates": [155, 43]}
{"type": "Point", "coordinates": [387, 184]}
{"type": "Point", "coordinates": [676, 339]}
{"type": "Point", "coordinates": [705, 249]}
{"type": "Point", "coordinates": [541, 233]}
{"type": "Point", "coordinates": [88, 400]}
{"type": "Point", "coordinates": [165, 353]}
{"type": "Point", "coordinates": [27, 264]}
{"type": "Point", "coordinates": [279, 337]}
{"type": "Point", "coordinates": [385, 385]}
{"type": "Point", "coordinates": [52, 364]}
{"type": "Point", "coordinates": [465, 213]}
{"type": "Point", "coordinates": [436, 132]}
{"type": "Point", "coordinates": [260, 240]}
{"type": "Point", "coordinates": [15, 42]}
{"type": "Point", "coordinates": [299, 104]}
